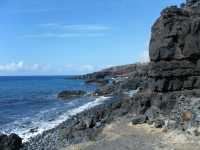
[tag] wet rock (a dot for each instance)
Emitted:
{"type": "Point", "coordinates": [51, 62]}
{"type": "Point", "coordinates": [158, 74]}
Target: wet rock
{"type": "Point", "coordinates": [11, 142]}
{"type": "Point", "coordinates": [33, 130]}
{"type": "Point", "coordinates": [66, 95]}
{"type": "Point", "coordinates": [139, 119]}
{"type": "Point", "coordinates": [105, 90]}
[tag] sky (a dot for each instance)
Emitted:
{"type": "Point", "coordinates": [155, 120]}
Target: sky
{"type": "Point", "coordinates": [66, 37]}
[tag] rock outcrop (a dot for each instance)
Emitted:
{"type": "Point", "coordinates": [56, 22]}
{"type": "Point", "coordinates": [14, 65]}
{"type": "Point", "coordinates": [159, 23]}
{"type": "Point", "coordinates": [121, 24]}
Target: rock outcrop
{"type": "Point", "coordinates": [175, 49]}
{"type": "Point", "coordinates": [11, 142]}
{"type": "Point", "coordinates": [68, 95]}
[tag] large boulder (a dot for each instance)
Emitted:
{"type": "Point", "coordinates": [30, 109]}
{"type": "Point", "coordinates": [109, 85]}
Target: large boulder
{"type": "Point", "coordinates": [68, 95]}
{"type": "Point", "coordinates": [11, 142]}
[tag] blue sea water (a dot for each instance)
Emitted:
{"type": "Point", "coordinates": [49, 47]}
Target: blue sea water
{"type": "Point", "coordinates": [29, 106]}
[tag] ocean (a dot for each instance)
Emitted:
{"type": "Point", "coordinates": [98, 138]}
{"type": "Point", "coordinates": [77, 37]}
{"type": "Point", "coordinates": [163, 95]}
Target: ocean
{"type": "Point", "coordinates": [29, 104]}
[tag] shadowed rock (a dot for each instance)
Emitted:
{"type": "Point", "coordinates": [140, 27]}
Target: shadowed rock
{"type": "Point", "coordinates": [175, 49]}
{"type": "Point", "coordinates": [11, 142]}
{"type": "Point", "coordinates": [67, 95]}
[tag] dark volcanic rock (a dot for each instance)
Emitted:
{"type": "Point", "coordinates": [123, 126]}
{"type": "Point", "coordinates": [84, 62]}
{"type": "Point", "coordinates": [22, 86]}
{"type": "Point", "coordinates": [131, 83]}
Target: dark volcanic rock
{"type": "Point", "coordinates": [11, 142]}
{"type": "Point", "coordinates": [192, 3]}
{"type": "Point", "coordinates": [175, 35]}
{"type": "Point", "coordinates": [159, 123]}
{"type": "Point", "coordinates": [105, 90]}
{"type": "Point", "coordinates": [175, 49]}
{"type": "Point", "coordinates": [152, 113]}
{"type": "Point", "coordinates": [97, 81]}
{"type": "Point", "coordinates": [139, 119]}
{"type": "Point", "coordinates": [66, 95]}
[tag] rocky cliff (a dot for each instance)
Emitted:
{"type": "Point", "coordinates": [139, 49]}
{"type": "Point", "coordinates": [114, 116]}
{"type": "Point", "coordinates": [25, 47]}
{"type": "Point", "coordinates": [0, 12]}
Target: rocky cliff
{"type": "Point", "coordinates": [175, 48]}
{"type": "Point", "coordinates": [170, 83]}
{"type": "Point", "coordinates": [174, 52]}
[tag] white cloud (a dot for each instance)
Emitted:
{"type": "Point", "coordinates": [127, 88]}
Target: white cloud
{"type": "Point", "coordinates": [11, 66]}
{"type": "Point", "coordinates": [21, 66]}
{"type": "Point", "coordinates": [80, 68]}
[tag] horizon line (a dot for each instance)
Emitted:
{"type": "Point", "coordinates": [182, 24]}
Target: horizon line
{"type": "Point", "coordinates": [36, 75]}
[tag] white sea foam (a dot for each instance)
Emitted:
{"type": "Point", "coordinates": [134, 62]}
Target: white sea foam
{"type": "Point", "coordinates": [41, 126]}
{"type": "Point", "coordinates": [131, 93]}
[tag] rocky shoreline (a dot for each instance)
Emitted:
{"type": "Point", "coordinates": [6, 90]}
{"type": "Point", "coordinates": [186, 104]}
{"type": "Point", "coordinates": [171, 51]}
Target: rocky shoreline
{"type": "Point", "coordinates": [147, 107]}
{"type": "Point", "coordinates": [164, 93]}
{"type": "Point", "coordinates": [82, 126]}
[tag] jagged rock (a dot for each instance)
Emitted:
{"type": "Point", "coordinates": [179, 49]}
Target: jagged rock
{"type": "Point", "coordinates": [152, 113]}
{"type": "Point", "coordinates": [66, 95]}
{"type": "Point", "coordinates": [175, 36]}
{"type": "Point", "coordinates": [192, 3]}
{"type": "Point", "coordinates": [97, 81]}
{"type": "Point", "coordinates": [175, 49]}
{"type": "Point", "coordinates": [139, 119]}
{"type": "Point", "coordinates": [11, 142]}
{"type": "Point", "coordinates": [33, 130]}
{"type": "Point", "coordinates": [159, 123]}
{"type": "Point", "coordinates": [105, 90]}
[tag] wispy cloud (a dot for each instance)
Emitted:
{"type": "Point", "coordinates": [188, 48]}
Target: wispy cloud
{"type": "Point", "coordinates": [78, 27]}
{"type": "Point", "coordinates": [55, 30]}
{"type": "Point", "coordinates": [62, 35]}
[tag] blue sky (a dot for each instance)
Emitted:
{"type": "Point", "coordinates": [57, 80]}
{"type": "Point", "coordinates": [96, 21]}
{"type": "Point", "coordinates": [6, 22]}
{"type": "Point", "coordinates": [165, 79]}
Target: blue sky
{"type": "Point", "coordinates": [47, 37]}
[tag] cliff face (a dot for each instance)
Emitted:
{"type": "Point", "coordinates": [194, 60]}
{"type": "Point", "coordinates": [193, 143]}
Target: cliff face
{"type": "Point", "coordinates": [175, 48]}
{"type": "Point", "coordinates": [174, 55]}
